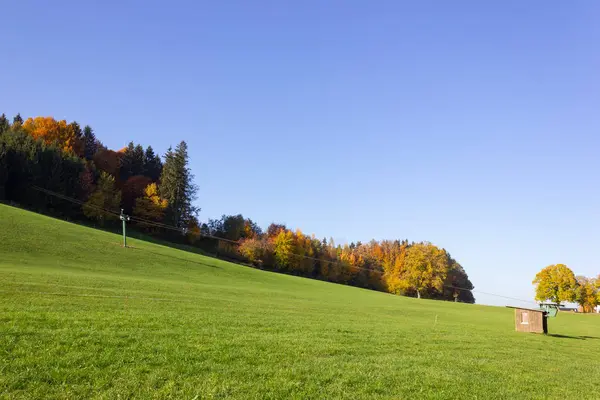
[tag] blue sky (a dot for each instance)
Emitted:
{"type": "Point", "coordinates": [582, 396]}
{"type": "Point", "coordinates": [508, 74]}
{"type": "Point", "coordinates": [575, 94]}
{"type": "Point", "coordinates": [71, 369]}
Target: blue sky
{"type": "Point", "coordinates": [473, 125]}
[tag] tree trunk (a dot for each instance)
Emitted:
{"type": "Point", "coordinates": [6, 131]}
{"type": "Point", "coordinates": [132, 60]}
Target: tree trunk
{"type": "Point", "coordinates": [418, 294]}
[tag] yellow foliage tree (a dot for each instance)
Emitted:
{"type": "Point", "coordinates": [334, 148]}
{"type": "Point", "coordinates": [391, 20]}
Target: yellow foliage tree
{"type": "Point", "coordinates": [283, 246]}
{"type": "Point", "coordinates": [587, 295]}
{"type": "Point", "coordinates": [51, 131]}
{"type": "Point", "coordinates": [394, 277]}
{"type": "Point", "coordinates": [151, 206]}
{"type": "Point", "coordinates": [256, 250]}
{"type": "Point", "coordinates": [303, 247]}
{"type": "Point", "coordinates": [425, 267]}
{"type": "Point", "coordinates": [556, 283]}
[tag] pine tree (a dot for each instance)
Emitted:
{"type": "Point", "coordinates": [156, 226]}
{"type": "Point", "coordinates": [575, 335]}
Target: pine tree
{"type": "Point", "coordinates": [177, 188]}
{"type": "Point", "coordinates": [152, 164]}
{"type": "Point", "coordinates": [137, 167]}
{"type": "Point", "coordinates": [90, 144]}
{"type": "Point", "coordinates": [4, 124]}
{"type": "Point", "coordinates": [132, 161]}
{"type": "Point", "coordinates": [17, 121]}
{"type": "Point", "coordinates": [126, 162]}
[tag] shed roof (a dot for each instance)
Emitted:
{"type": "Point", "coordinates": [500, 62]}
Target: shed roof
{"type": "Point", "coordinates": [528, 309]}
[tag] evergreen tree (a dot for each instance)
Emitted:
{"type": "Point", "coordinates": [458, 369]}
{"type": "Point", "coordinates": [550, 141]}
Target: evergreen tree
{"type": "Point", "coordinates": [4, 124]}
{"type": "Point", "coordinates": [76, 128]}
{"type": "Point", "coordinates": [105, 198]}
{"type": "Point", "coordinates": [132, 161]}
{"type": "Point", "coordinates": [177, 188]}
{"type": "Point", "coordinates": [90, 144]}
{"type": "Point", "coordinates": [152, 164]}
{"type": "Point", "coordinates": [137, 167]}
{"type": "Point", "coordinates": [126, 162]}
{"type": "Point", "coordinates": [17, 121]}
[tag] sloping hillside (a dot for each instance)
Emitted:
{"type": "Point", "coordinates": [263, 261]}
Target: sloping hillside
{"type": "Point", "coordinates": [80, 316]}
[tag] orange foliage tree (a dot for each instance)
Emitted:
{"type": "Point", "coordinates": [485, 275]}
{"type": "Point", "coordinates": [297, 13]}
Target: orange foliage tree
{"type": "Point", "coordinates": [66, 136]}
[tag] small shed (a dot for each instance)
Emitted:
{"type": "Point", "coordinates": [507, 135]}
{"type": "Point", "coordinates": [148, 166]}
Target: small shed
{"type": "Point", "coordinates": [530, 320]}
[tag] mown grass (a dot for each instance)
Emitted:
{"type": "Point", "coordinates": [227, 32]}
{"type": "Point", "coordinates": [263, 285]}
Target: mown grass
{"type": "Point", "coordinates": [81, 317]}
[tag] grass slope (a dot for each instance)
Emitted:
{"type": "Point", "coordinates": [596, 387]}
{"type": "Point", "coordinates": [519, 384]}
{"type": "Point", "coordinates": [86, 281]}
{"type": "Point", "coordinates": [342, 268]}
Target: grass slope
{"type": "Point", "coordinates": [82, 317]}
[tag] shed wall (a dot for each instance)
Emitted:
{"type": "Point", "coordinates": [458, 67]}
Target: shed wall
{"type": "Point", "coordinates": [530, 321]}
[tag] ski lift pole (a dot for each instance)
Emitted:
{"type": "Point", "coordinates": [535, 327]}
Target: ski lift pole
{"type": "Point", "coordinates": [124, 218]}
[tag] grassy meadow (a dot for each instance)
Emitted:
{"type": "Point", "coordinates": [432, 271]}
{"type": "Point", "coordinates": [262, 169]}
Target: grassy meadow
{"type": "Point", "coordinates": [82, 317]}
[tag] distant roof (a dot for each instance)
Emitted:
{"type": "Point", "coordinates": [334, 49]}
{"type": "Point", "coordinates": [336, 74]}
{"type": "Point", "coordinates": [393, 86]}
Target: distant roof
{"type": "Point", "coordinates": [528, 309]}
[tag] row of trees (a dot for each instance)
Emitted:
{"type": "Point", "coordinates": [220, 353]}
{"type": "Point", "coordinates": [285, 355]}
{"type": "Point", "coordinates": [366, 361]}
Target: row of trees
{"type": "Point", "coordinates": [90, 182]}
{"type": "Point", "coordinates": [557, 283]}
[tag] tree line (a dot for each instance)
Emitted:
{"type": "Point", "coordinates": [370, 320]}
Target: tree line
{"type": "Point", "coordinates": [557, 283]}
{"type": "Point", "coordinates": [91, 183]}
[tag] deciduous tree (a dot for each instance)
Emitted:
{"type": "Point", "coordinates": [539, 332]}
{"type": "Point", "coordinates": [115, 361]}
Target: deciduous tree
{"type": "Point", "coordinates": [151, 206]}
{"type": "Point", "coordinates": [556, 283]}
{"type": "Point", "coordinates": [586, 294]}
{"type": "Point", "coordinates": [258, 251]}
{"type": "Point", "coordinates": [107, 161]}
{"type": "Point", "coordinates": [283, 245]}
{"type": "Point", "coordinates": [425, 267]}
{"type": "Point", "coordinates": [132, 189]}
{"type": "Point", "coordinates": [51, 131]}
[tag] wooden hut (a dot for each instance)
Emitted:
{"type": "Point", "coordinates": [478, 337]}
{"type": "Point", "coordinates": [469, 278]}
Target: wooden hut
{"type": "Point", "coordinates": [530, 320]}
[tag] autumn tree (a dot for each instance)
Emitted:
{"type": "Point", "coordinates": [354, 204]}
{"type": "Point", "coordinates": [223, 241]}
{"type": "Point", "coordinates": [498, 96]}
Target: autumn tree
{"type": "Point", "coordinates": [304, 250]}
{"type": "Point", "coordinates": [133, 188]}
{"type": "Point", "coordinates": [555, 283]}
{"type": "Point", "coordinates": [151, 206]}
{"type": "Point", "coordinates": [67, 136]}
{"type": "Point", "coordinates": [177, 187]}
{"type": "Point", "coordinates": [258, 251]}
{"type": "Point", "coordinates": [107, 161]}
{"type": "Point", "coordinates": [586, 293]}
{"type": "Point", "coordinates": [283, 245]}
{"type": "Point", "coordinates": [395, 274]}
{"type": "Point", "coordinates": [425, 267]}
{"type": "Point", "coordinates": [104, 201]}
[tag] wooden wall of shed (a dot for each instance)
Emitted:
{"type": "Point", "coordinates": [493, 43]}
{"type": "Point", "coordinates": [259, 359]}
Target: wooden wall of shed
{"type": "Point", "coordinates": [535, 319]}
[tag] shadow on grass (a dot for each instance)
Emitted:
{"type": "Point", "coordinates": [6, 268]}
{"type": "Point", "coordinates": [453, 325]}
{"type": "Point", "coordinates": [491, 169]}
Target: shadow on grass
{"type": "Point", "coordinates": [573, 337]}
{"type": "Point", "coordinates": [174, 257]}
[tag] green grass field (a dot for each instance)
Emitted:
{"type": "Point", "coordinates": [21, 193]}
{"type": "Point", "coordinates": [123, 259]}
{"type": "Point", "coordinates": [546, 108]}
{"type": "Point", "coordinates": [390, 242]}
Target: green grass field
{"type": "Point", "coordinates": [82, 317]}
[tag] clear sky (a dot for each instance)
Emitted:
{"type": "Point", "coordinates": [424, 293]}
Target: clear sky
{"type": "Point", "coordinates": [471, 124]}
